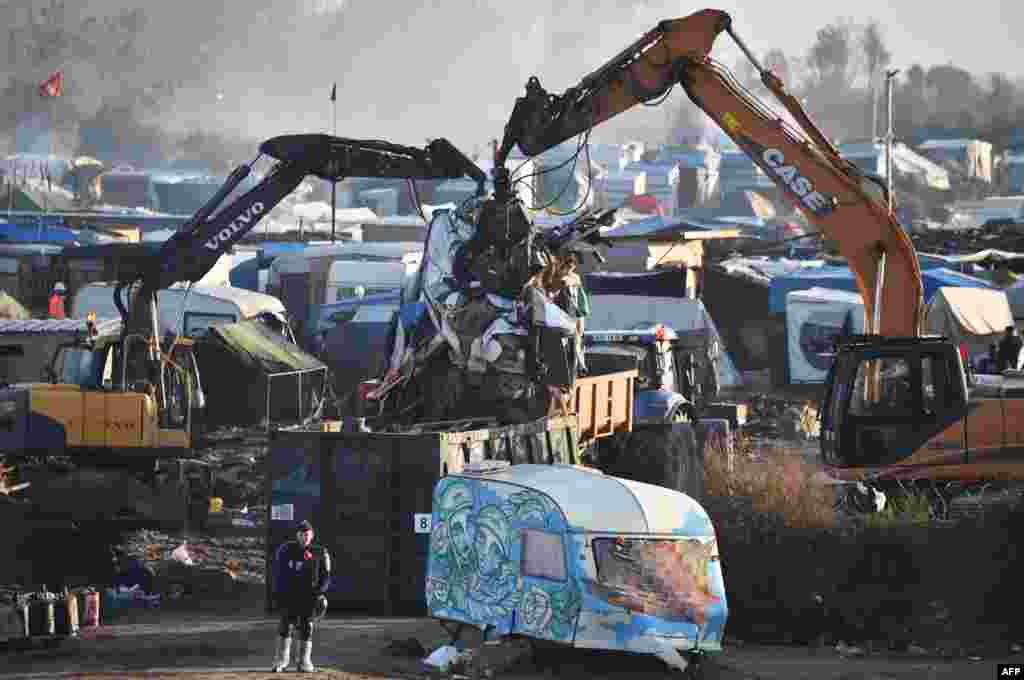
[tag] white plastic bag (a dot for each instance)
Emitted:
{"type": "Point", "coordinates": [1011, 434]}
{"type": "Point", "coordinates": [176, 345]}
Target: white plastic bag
{"type": "Point", "coordinates": [442, 657]}
{"type": "Point", "coordinates": [182, 555]}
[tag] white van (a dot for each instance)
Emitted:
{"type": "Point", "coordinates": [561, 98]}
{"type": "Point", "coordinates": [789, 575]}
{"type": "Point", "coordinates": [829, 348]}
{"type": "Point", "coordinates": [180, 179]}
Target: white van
{"type": "Point", "coordinates": [205, 306]}
{"type": "Point", "coordinates": [354, 278]}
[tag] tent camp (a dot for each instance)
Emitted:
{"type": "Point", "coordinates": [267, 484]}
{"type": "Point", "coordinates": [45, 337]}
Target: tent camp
{"type": "Point", "coordinates": [841, 278]}
{"type": "Point", "coordinates": [281, 383]}
{"type": "Point", "coordinates": [814, 319]}
{"type": "Point", "coordinates": [970, 316]}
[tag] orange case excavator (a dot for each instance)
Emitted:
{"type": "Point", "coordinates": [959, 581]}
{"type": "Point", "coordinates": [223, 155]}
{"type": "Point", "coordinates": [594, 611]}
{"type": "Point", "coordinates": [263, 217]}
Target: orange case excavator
{"type": "Point", "coordinates": [898, 406]}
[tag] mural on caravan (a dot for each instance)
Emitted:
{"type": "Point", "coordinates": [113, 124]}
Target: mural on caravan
{"type": "Point", "coordinates": [475, 549]}
{"type": "Point", "coordinates": [504, 556]}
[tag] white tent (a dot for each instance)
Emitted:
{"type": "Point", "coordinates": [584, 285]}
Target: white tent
{"type": "Point", "coordinates": [976, 317]}
{"type": "Point", "coordinates": [814, 318]}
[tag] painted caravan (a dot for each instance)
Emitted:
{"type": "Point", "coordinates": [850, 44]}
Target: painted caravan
{"type": "Point", "coordinates": [569, 555]}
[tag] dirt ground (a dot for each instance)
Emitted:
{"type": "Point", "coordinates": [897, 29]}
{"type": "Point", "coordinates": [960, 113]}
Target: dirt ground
{"type": "Point", "coordinates": [233, 640]}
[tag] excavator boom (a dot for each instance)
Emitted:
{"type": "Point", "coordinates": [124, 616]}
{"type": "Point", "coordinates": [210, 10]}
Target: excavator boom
{"type": "Point", "coordinates": [847, 208]}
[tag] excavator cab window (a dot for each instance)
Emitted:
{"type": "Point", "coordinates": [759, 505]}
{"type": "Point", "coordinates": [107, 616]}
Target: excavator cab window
{"type": "Point", "coordinates": [883, 407]}
{"type": "Point", "coordinates": [894, 393]}
{"type": "Point", "coordinates": [80, 366]}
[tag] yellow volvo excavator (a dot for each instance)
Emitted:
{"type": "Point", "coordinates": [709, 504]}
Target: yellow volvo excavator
{"type": "Point", "coordinates": [125, 398]}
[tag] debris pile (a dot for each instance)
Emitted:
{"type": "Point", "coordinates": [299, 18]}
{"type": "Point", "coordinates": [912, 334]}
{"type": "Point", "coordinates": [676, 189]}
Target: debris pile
{"type": "Point", "coordinates": [494, 330]}
{"type": "Point", "coordinates": [159, 564]}
{"type": "Point", "coordinates": [7, 485]}
{"type": "Point", "coordinates": [998, 235]}
{"type": "Point", "coordinates": [774, 417]}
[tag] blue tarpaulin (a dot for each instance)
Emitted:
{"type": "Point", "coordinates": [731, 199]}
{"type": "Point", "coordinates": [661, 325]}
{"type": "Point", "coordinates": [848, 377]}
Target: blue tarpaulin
{"type": "Point", "coordinates": [841, 278]}
{"type": "Point", "coordinates": [668, 283]}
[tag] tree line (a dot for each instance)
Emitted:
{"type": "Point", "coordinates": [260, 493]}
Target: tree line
{"type": "Point", "coordinates": [841, 82]}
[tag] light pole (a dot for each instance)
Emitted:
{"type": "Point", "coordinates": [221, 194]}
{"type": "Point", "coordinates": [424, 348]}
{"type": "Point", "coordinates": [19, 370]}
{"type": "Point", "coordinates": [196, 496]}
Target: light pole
{"type": "Point", "coordinates": [334, 182]}
{"type": "Point", "coordinates": [890, 75]}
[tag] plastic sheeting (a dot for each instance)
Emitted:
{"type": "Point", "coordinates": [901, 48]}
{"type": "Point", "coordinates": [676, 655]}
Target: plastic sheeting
{"type": "Point", "coordinates": [972, 316]}
{"type": "Point", "coordinates": [236, 363]}
{"type": "Point", "coordinates": [841, 278]}
{"type": "Point", "coordinates": [11, 308]}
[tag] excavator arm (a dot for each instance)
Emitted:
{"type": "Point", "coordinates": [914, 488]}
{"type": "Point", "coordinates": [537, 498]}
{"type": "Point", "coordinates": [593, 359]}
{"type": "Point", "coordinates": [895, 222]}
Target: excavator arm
{"type": "Point", "coordinates": [195, 248]}
{"type": "Point", "coordinates": [846, 207]}
{"type": "Point", "coordinates": [192, 251]}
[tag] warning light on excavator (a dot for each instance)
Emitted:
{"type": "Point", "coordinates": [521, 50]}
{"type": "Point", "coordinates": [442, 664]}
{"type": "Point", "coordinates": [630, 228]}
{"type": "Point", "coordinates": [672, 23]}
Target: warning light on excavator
{"type": "Point", "coordinates": [91, 317]}
{"type": "Point", "coordinates": [659, 332]}
{"type": "Point", "coordinates": [90, 324]}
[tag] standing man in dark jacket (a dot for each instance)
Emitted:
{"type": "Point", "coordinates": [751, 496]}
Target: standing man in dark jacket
{"type": "Point", "coordinates": [1009, 349]}
{"type": "Point", "coordinates": [302, 575]}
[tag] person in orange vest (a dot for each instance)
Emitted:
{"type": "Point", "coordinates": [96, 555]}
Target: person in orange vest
{"type": "Point", "coordinates": [57, 301]}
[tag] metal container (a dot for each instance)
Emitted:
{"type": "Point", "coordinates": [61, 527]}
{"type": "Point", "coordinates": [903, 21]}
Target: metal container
{"type": "Point", "coordinates": [91, 619]}
{"type": "Point", "coordinates": [65, 611]}
{"type": "Point", "coordinates": [369, 498]}
{"type": "Point", "coordinates": [41, 617]}
{"type": "Point", "coordinates": [23, 614]}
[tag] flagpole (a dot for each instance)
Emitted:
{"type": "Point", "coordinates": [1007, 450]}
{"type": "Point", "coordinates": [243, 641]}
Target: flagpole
{"type": "Point", "coordinates": [46, 163]}
{"type": "Point", "coordinates": [334, 182]}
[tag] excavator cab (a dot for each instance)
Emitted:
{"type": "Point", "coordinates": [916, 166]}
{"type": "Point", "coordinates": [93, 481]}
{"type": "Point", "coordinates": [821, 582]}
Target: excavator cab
{"type": "Point", "coordinates": [893, 400]}
{"type": "Point", "coordinates": [114, 390]}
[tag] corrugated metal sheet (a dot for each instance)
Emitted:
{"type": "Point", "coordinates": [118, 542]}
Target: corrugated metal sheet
{"type": "Point", "coordinates": [50, 326]}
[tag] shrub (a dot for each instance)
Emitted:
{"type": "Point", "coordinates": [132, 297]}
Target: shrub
{"type": "Point", "coordinates": [774, 483]}
{"type": "Point", "coordinates": [909, 507]}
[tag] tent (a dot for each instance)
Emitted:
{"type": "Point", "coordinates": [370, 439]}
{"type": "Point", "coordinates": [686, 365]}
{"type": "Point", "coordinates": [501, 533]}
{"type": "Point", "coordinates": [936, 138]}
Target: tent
{"type": "Point", "coordinates": [250, 372]}
{"type": "Point", "coordinates": [970, 316]}
{"type": "Point", "coordinates": [841, 278]}
{"type": "Point", "coordinates": [814, 319]}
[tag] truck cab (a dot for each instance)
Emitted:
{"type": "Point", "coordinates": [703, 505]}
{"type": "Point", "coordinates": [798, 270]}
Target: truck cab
{"type": "Point", "coordinates": [671, 383]}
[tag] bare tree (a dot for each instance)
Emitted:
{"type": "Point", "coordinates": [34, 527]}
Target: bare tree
{"type": "Point", "coordinates": [832, 57]}
{"type": "Point", "coordinates": [1000, 100]}
{"type": "Point", "coordinates": [955, 92]}
{"type": "Point", "coordinates": [876, 58]}
{"type": "Point", "coordinates": [778, 63]}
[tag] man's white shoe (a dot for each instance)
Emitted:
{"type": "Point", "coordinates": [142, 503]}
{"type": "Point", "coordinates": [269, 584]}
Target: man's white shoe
{"type": "Point", "coordinates": [284, 648]}
{"type": "Point", "coordinates": [306, 663]}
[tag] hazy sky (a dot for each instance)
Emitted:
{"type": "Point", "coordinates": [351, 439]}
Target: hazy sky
{"type": "Point", "coordinates": [412, 69]}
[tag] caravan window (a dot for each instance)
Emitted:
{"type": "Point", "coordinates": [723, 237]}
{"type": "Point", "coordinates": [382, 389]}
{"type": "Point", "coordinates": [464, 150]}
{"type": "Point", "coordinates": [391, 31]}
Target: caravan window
{"type": "Point", "coordinates": [665, 567]}
{"type": "Point", "coordinates": [543, 555]}
{"type": "Point", "coordinates": [894, 394]}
